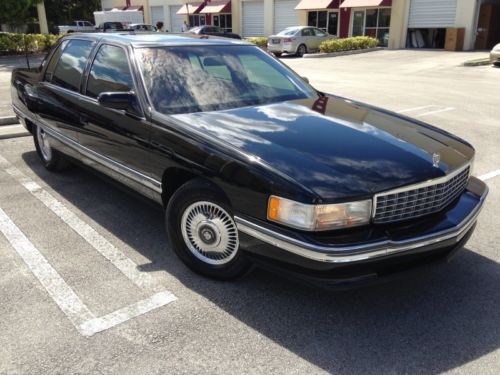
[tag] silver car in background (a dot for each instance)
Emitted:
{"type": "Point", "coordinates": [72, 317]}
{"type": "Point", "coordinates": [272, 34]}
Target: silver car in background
{"type": "Point", "coordinates": [495, 55]}
{"type": "Point", "coordinates": [297, 39]}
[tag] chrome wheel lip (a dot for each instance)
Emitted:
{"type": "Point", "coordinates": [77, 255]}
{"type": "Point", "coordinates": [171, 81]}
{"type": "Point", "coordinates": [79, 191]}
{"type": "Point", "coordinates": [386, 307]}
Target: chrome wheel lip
{"type": "Point", "coordinates": [221, 234]}
{"type": "Point", "coordinates": [43, 144]}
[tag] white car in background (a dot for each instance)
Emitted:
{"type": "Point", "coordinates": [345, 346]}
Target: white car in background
{"type": "Point", "coordinates": [298, 40]}
{"type": "Point", "coordinates": [495, 55]}
{"type": "Point", "coordinates": [77, 26]}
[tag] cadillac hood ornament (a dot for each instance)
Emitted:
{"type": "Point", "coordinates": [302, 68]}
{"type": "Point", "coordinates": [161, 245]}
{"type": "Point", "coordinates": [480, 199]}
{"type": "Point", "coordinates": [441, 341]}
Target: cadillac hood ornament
{"type": "Point", "coordinates": [435, 159]}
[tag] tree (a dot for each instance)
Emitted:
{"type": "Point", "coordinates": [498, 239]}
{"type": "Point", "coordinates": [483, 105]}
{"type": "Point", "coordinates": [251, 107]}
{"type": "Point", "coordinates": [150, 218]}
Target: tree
{"type": "Point", "coordinates": [63, 12]}
{"type": "Point", "coordinates": [17, 12]}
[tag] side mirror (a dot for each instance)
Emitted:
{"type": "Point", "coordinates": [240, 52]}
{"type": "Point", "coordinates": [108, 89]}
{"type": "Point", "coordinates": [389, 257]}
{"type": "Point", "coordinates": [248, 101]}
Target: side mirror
{"type": "Point", "coordinates": [305, 79]}
{"type": "Point", "coordinates": [123, 101]}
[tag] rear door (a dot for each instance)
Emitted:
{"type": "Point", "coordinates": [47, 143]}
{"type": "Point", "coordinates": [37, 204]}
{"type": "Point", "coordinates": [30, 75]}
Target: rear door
{"type": "Point", "coordinates": [58, 94]}
{"type": "Point", "coordinates": [109, 133]}
{"type": "Point", "coordinates": [308, 38]}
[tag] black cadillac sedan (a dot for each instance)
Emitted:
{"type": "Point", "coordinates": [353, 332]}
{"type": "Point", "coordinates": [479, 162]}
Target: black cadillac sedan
{"type": "Point", "coordinates": [213, 31]}
{"type": "Point", "coordinates": [252, 164]}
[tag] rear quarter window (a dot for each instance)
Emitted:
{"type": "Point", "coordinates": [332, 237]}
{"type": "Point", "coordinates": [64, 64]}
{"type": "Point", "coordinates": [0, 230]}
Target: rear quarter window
{"type": "Point", "coordinates": [69, 69]}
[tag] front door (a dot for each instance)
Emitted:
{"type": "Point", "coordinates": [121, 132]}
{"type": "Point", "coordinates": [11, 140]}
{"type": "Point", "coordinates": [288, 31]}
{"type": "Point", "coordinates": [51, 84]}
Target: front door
{"type": "Point", "coordinates": [333, 23]}
{"type": "Point", "coordinates": [113, 135]}
{"type": "Point", "coordinates": [358, 23]}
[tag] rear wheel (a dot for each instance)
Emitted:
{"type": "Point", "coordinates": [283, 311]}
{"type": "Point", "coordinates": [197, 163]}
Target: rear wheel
{"type": "Point", "coordinates": [301, 50]}
{"type": "Point", "coordinates": [52, 159]}
{"type": "Point", "coordinates": [202, 231]}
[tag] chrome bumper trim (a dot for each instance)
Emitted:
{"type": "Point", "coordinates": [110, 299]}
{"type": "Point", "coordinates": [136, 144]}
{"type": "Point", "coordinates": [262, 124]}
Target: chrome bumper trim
{"type": "Point", "coordinates": [356, 253]}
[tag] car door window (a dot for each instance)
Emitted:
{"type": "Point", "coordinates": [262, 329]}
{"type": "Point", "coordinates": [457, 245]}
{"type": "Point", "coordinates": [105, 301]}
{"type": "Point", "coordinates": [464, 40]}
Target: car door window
{"type": "Point", "coordinates": [320, 33]}
{"type": "Point", "coordinates": [307, 32]}
{"type": "Point", "coordinates": [53, 60]}
{"type": "Point", "coordinates": [69, 69]}
{"type": "Point", "coordinates": [110, 72]}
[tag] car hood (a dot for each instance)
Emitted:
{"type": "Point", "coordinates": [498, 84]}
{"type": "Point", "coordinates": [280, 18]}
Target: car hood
{"type": "Point", "coordinates": [335, 147]}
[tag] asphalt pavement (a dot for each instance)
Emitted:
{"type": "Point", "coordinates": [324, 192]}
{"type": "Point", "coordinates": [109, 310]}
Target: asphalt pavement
{"type": "Point", "coordinates": [88, 284]}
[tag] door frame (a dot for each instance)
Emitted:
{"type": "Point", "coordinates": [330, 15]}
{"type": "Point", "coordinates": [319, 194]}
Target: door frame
{"type": "Point", "coordinates": [351, 21]}
{"type": "Point", "coordinates": [328, 11]}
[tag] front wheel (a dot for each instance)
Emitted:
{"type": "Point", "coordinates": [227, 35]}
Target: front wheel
{"type": "Point", "coordinates": [51, 159]}
{"type": "Point", "coordinates": [277, 54]}
{"type": "Point", "coordinates": [202, 231]}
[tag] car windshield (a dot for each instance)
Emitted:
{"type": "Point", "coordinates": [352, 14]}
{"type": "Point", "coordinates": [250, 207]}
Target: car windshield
{"type": "Point", "coordinates": [288, 32]}
{"type": "Point", "coordinates": [188, 79]}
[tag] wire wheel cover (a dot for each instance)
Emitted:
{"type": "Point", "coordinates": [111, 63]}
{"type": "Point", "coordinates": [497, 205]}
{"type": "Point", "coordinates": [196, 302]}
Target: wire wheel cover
{"type": "Point", "coordinates": [210, 233]}
{"type": "Point", "coordinates": [43, 143]}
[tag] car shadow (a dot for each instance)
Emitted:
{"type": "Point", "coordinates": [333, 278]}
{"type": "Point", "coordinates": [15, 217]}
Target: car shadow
{"type": "Point", "coordinates": [439, 320]}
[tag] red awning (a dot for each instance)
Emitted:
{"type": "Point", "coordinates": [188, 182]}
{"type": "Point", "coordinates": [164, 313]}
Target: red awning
{"type": "Point", "coordinates": [313, 4]}
{"type": "Point", "coordinates": [192, 8]}
{"type": "Point", "coordinates": [215, 7]}
{"type": "Point", "coordinates": [360, 3]}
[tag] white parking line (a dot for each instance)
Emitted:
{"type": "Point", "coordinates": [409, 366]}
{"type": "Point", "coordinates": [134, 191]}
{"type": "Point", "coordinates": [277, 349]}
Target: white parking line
{"type": "Point", "coordinates": [89, 234]}
{"type": "Point", "coordinates": [436, 111]}
{"type": "Point", "coordinates": [415, 108]}
{"type": "Point", "coordinates": [61, 293]}
{"type": "Point", "coordinates": [489, 175]}
{"type": "Point", "coordinates": [96, 325]}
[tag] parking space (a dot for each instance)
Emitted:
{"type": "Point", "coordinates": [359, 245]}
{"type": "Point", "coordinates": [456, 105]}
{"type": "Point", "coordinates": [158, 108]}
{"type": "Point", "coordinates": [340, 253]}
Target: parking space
{"type": "Point", "coordinates": [89, 285]}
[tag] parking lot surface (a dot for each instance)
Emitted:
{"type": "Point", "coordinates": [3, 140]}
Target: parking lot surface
{"type": "Point", "coordinates": [88, 284]}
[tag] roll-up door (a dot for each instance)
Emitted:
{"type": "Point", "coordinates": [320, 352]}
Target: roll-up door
{"type": "Point", "coordinates": [157, 15]}
{"type": "Point", "coordinates": [432, 14]}
{"type": "Point", "coordinates": [285, 14]}
{"type": "Point", "coordinates": [176, 20]}
{"type": "Point", "coordinates": [253, 18]}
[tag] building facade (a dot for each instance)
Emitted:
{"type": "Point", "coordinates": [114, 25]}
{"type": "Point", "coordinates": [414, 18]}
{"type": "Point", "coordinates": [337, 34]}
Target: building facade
{"type": "Point", "coordinates": [396, 23]}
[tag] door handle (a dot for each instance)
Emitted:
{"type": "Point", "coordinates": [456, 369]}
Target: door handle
{"type": "Point", "coordinates": [84, 119]}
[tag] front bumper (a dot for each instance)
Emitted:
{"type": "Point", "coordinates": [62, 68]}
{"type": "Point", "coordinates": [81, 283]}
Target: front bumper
{"type": "Point", "coordinates": [495, 57]}
{"type": "Point", "coordinates": [365, 249]}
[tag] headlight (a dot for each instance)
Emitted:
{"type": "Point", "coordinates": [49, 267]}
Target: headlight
{"type": "Point", "coordinates": [318, 217]}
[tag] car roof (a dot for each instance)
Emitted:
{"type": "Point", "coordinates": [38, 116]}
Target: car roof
{"type": "Point", "coordinates": [157, 39]}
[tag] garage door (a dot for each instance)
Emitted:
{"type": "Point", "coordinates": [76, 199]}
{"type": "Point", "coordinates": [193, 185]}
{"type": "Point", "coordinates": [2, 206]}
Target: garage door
{"type": "Point", "coordinates": [252, 18]}
{"type": "Point", "coordinates": [157, 15]}
{"type": "Point", "coordinates": [176, 20]}
{"type": "Point", "coordinates": [432, 13]}
{"type": "Point", "coordinates": [285, 15]}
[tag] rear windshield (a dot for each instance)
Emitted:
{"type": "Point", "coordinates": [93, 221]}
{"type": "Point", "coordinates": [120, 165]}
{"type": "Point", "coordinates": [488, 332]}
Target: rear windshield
{"type": "Point", "coordinates": [207, 78]}
{"type": "Point", "coordinates": [288, 32]}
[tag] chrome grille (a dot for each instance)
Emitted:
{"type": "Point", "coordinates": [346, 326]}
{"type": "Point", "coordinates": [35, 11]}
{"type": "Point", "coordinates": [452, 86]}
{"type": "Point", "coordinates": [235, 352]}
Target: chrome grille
{"type": "Point", "coordinates": [423, 199]}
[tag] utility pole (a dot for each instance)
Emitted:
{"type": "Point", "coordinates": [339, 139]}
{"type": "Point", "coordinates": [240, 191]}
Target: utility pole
{"type": "Point", "coordinates": [42, 17]}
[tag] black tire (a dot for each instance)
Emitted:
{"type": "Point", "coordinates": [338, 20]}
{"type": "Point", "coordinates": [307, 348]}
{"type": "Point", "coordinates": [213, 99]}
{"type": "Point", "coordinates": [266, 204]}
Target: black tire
{"type": "Point", "coordinates": [277, 54]}
{"type": "Point", "coordinates": [301, 50]}
{"type": "Point", "coordinates": [51, 159]}
{"type": "Point", "coordinates": [202, 195]}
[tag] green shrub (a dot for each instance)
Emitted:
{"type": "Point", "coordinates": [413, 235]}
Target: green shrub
{"type": "Point", "coordinates": [14, 43]}
{"type": "Point", "coordinates": [347, 44]}
{"type": "Point", "coordinates": [260, 41]}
